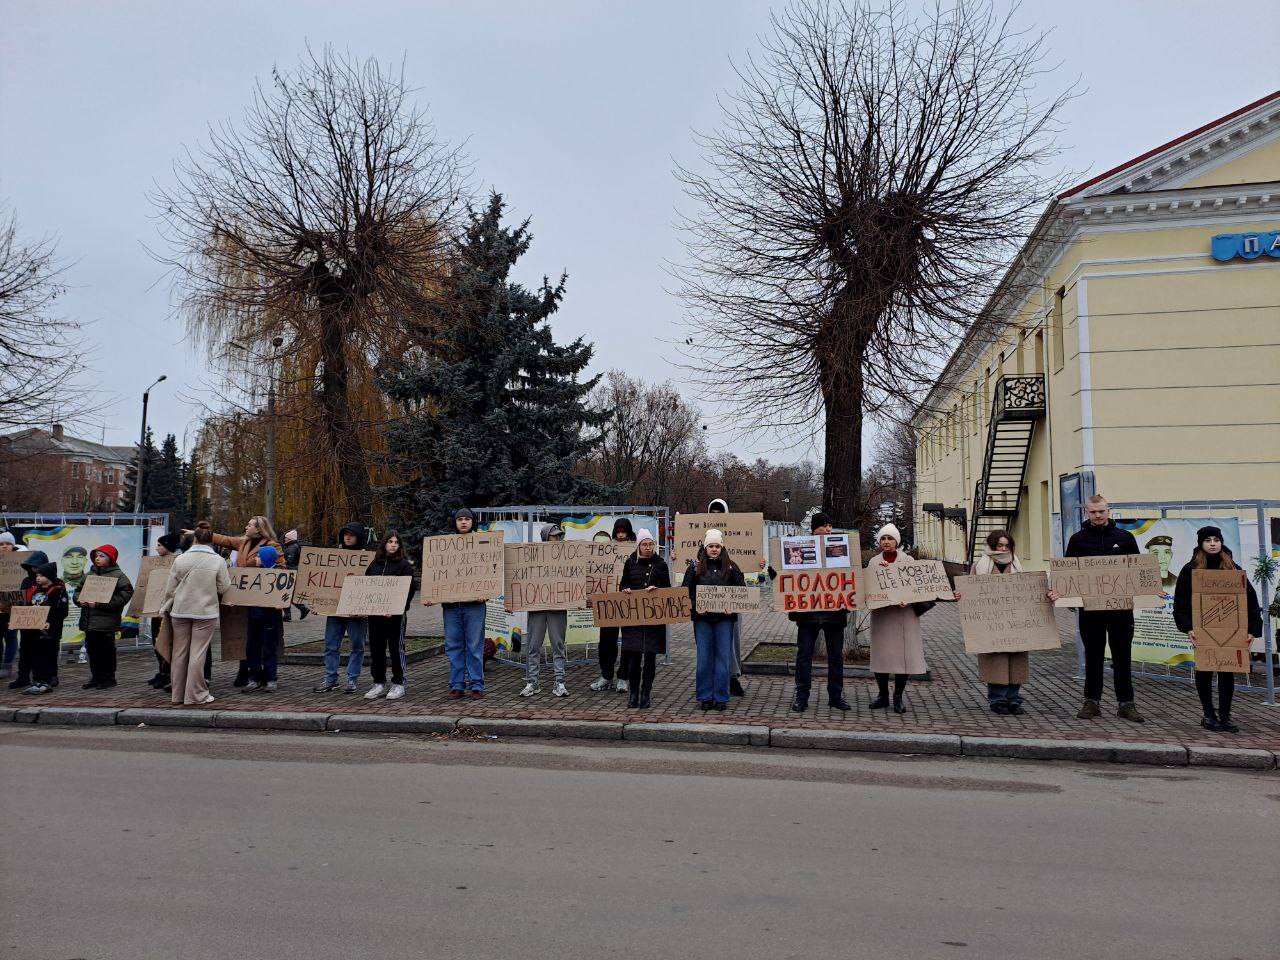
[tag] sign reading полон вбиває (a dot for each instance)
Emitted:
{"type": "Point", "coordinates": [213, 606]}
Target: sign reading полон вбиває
{"type": "Point", "coordinates": [1247, 246]}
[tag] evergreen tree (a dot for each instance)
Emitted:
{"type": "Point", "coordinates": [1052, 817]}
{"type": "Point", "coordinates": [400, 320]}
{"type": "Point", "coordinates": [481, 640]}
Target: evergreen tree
{"type": "Point", "coordinates": [150, 457]}
{"type": "Point", "coordinates": [197, 505]}
{"type": "Point", "coordinates": [163, 489]}
{"type": "Point", "coordinates": [494, 414]}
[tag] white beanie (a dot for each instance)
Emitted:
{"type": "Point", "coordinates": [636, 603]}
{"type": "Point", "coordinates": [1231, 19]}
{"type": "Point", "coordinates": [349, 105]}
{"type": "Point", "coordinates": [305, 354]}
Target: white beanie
{"type": "Point", "coordinates": [7, 537]}
{"type": "Point", "coordinates": [712, 536]}
{"type": "Point", "coordinates": [644, 535]}
{"type": "Point", "coordinates": [889, 530]}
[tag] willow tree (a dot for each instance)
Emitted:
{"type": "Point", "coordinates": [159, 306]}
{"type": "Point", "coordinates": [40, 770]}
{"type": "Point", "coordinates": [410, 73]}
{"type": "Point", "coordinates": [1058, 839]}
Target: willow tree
{"type": "Point", "coordinates": [871, 179]}
{"type": "Point", "coordinates": [321, 220]}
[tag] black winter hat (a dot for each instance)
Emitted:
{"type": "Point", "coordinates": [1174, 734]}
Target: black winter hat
{"type": "Point", "coordinates": [170, 541]}
{"type": "Point", "coordinates": [1204, 533]}
{"type": "Point", "coordinates": [819, 519]}
{"type": "Point", "coordinates": [49, 570]}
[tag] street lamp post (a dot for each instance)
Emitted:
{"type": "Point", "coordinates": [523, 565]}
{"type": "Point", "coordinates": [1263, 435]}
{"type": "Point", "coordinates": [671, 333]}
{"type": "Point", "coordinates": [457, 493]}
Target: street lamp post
{"type": "Point", "coordinates": [142, 446]}
{"type": "Point", "coordinates": [270, 506]}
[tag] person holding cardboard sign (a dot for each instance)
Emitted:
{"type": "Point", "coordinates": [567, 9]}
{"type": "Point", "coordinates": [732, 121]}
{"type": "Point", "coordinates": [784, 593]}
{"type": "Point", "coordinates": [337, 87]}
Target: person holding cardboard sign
{"type": "Point", "coordinates": [713, 632]}
{"type": "Point", "coordinates": [643, 570]}
{"type": "Point", "coordinates": [831, 625]}
{"type": "Point", "coordinates": [897, 646]}
{"type": "Point", "coordinates": [46, 590]}
{"type": "Point", "coordinates": [607, 644]}
{"type": "Point", "coordinates": [101, 620]}
{"type": "Point", "coordinates": [354, 536]}
{"type": "Point", "coordinates": [464, 631]}
{"type": "Point", "coordinates": [386, 634]}
{"type": "Point", "coordinates": [1099, 536]}
{"type": "Point", "coordinates": [541, 623]}
{"type": "Point", "coordinates": [1212, 554]}
{"type": "Point", "coordinates": [1003, 673]}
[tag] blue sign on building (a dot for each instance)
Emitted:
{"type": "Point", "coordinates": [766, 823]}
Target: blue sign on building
{"type": "Point", "coordinates": [1250, 246]}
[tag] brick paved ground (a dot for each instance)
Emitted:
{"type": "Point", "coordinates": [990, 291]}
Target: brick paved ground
{"type": "Point", "coordinates": [953, 702]}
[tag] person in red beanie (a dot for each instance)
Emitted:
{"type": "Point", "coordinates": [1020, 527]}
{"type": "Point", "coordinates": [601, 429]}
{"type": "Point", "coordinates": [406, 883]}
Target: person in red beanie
{"type": "Point", "coordinates": [101, 621]}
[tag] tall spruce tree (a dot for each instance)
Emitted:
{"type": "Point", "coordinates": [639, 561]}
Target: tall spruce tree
{"type": "Point", "coordinates": [150, 457]}
{"type": "Point", "coordinates": [493, 413]}
{"type": "Point", "coordinates": [198, 506]}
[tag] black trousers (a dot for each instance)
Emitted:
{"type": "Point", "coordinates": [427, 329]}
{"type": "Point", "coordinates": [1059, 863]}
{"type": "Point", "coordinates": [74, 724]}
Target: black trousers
{"type": "Point", "coordinates": [37, 656]}
{"type": "Point", "coordinates": [639, 668]}
{"type": "Point", "coordinates": [1098, 628]}
{"type": "Point", "coordinates": [1226, 691]}
{"type": "Point", "coordinates": [101, 645]}
{"type": "Point", "coordinates": [384, 641]}
{"type": "Point", "coordinates": [607, 649]}
{"type": "Point", "coordinates": [806, 641]}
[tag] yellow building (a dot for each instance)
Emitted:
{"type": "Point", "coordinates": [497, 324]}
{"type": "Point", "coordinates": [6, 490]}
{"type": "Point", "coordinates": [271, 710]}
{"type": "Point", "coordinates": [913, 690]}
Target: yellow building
{"type": "Point", "coordinates": [1135, 352]}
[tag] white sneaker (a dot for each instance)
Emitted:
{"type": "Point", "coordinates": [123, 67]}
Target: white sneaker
{"type": "Point", "coordinates": [622, 686]}
{"type": "Point", "coordinates": [252, 685]}
{"type": "Point", "coordinates": [83, 658]}
{"type": "Point", "coordinates": [601, 685]}
{"type": "Point", "coordinates": [375, 692]}
{"type": "Point", "coordinates": [270, 687]}
{"type": "Point", "coordinates": [560, 690]}
{"type": "Point", "coordinates": [396, 691]}
{"type": "Point", "coordinates": [529, 690]}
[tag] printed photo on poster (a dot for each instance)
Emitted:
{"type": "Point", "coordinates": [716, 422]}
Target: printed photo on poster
{"type": "Point", "coordinates": [801, 553]}
{"type": "Point", "coordinates": [836, 548]}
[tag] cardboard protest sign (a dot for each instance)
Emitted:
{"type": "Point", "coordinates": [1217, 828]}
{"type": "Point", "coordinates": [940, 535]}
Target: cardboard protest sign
{"type": "Point", "coordinates": [142, 604]}
{"type": "Point", "coordinates": [641, 608]}
{"type": "Point", "coordinates": [1220, 619]}
{"type": "Point", "coordinates": [96, 589]}
{"type": "Point", "coordinates": [1007, 613]}
{"type": "Point", "coordinates": [259, 587]}
{"type": "Point", "coordinates": [28, 618]}
{"type": "Point", "coordinates": [321, 571]}
{"type": "Point", "coordinates": [604, 563]}
{"type": "Point", "coordinates": [11, 572]}
{"type": "Point", "coordinates": [743, 537]}
{"type": "Point", "coordinates": [374, 596]}
{"type": "Point", "coordinates": [233, 633]}
{"type": "Point", "coordinates": [808, 585]}
{"type": "Point", "coordinates": [905, 581]}
{"type": "Point", "coordinates": [550, 576]}
{"type": "Point", "coordinates": [728, 599]}
{"type": "Point", "coordinates": [157, 581]}
{"type": "Point", "coordinates": [464, 567]}
{"type": "Point", "coordinates": [1107, 583]}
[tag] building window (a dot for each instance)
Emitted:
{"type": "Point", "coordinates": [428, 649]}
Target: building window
{"type": "Point", "coordinates": [75, 471]}
{"type": "Point", "coordinates": [1039, 352]}
{"type": "Point", "coordinates": [1059, 347]}
{"type": "Point", "coordinates": [111, 476]}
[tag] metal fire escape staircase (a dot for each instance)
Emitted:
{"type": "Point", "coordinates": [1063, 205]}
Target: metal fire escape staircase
{"type": "Point", "coordinates": [1018, 403]}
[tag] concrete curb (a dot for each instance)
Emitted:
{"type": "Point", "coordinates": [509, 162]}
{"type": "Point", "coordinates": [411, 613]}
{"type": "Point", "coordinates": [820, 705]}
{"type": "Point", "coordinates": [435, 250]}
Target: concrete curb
{"type": "Point", "coordinates": [573, 729]}
{"type": "Point", "coordinates": [159, 717]}
{"type": "Point", "coordinates": [733, 734]}
{"type": "Point", "coordinates": [79, 716]}
{"type": "Point", "coordinates": [373, 723]}
{"type": "Point", "coordinates": [938, 744]}
{"type": "Point", "coordinates": [269, 720]}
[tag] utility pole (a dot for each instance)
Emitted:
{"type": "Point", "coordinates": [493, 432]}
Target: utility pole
{"type": "Point", "coordinates": [269, 507]}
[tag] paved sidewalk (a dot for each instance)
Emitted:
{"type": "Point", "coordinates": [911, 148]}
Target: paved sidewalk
{"type": "Point", "coordinates": [953, 702]}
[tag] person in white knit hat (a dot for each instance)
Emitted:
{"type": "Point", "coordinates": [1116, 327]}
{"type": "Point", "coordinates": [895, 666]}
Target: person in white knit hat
{"type": "Point", "coordinates": [713, 632]}
{"type": "Point", "coordinates": [644, 570]}
{"type": "Point", "coordinates": [897, 646]}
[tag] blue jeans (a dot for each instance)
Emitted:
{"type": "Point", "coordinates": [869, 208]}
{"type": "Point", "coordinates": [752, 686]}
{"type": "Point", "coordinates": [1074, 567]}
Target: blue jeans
{"type": "Point", "coordinates": [715, 659]}
{"type": "Point", "coordinates": [464, 644]}
{"type": "Point", "coordinates": [10, 647]}
{"type": "Point", "coordinates": [334, 627]}
{"type": "Point", "coordinates": [1010, 693]}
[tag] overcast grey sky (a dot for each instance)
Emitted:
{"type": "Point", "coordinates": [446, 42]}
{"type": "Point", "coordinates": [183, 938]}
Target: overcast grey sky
{"type": "Point", "coordinates": [574, 110]}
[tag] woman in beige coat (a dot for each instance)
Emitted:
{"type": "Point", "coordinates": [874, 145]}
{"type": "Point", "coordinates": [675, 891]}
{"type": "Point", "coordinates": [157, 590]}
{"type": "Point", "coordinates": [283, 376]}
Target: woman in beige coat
{"type": "Point", "coordinates": [897, 646]}
{"type": "Point", "coordinates": [1003, 673]}
{"type": "Point", "coordinates": [197, 581]}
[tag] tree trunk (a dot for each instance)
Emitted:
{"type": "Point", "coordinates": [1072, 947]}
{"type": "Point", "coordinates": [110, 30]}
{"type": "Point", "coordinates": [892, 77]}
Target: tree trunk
{"type": "Point", "coordinates": [344, 441]}
{"type": "Point", "coordinates": [842, 391]}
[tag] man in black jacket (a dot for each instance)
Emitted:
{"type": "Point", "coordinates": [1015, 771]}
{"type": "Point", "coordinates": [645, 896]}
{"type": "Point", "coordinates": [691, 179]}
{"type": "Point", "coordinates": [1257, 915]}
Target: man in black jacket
{"type": "Point", "coordinates": [1100, 537]}
{"type": "Point", "coordinates": [830, 624]}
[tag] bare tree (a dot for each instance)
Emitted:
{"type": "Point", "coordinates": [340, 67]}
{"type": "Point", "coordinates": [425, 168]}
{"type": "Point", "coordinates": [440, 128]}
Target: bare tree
{"type": "Point", "coordinates": [872, 177]}
{"type": "Point", "coordinates": [324, 220]}
{"type": "Point", "coordinates": [41, 353]}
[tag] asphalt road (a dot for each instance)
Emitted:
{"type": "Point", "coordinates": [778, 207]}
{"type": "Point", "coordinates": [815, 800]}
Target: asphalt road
{"type": "Point", "coordinates": [138, 844]}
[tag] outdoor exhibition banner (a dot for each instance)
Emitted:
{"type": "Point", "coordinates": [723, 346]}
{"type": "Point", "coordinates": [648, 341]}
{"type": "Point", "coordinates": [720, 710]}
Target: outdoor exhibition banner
{"type": "Point", "coordinates": [141, 603]}
{"type": "Point", "coordinates": [321, 571]}
{"type": "Point", "coordinates": [28, 618]}
{"type": "Point", "coordinates": [743, 538]}
{"type": "Point", "coordinates": [374, 596]}
{"type": "Point", "coordinates": [1220, 619]}
{"type": "Point", "coordinates": [905, 581]}
{"type": "Point", "coordinates": [259, 587]}
{"type": "Point", "coordinates": [728, 599]}
{"type": "Point", "coordinates": [551, 576]}
{"type": "Point", "coordinates": [818, 573]}
{"type": "Point", "coordinates": [641, 608]}
{"type": "Point", "coordinates": [1107, 583]}
{"type": "Point", "coordinates": [462, 568]}
{"type": "Point", "coordinates": [153, 591]}
{"type": "Point", "coordinates": [96, 589]}
{"type": "Point", "coordinates": [1156, 638]}
{"type": "Point", "coordinates": [1007, 613]}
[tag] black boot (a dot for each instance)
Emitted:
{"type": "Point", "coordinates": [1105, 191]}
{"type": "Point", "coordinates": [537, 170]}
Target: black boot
{"type": "Point", "coordinates": [881, 702]}
{"type": "Point", "coordinates": [799, 704]}
{"type": "Point", "coordinates": [242, 675]}
{"type": "Point", "coordinates": [735, 688]}
{"type": "Point", "coordinates": [633, 698]}
{"type": "Point", "coordinates": [1225, 724]}
{"type": "Point", "coordinates": [1210, 722]}
{"type": "Point", "coordinates": [645, 702]}
{"type": "Point", "coordinates": [838, 702]}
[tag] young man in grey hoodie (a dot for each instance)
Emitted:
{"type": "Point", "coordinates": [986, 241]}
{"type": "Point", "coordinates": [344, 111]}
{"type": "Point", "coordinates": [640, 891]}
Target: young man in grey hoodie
{"type": "Point", "coordinates": [542, 622]}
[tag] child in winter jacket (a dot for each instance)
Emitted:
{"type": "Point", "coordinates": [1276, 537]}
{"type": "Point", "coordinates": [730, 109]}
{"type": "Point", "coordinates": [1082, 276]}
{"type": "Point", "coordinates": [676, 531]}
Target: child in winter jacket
{"type": "Point", "coordinates": [46, 591]}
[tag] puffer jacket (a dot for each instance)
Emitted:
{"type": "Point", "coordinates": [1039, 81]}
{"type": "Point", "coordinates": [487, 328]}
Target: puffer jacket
{"type": "Point", "coordinates": [105, 617]}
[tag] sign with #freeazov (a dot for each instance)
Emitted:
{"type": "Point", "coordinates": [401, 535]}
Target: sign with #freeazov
{"type": "Point", "coordinates": [259, 587]}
